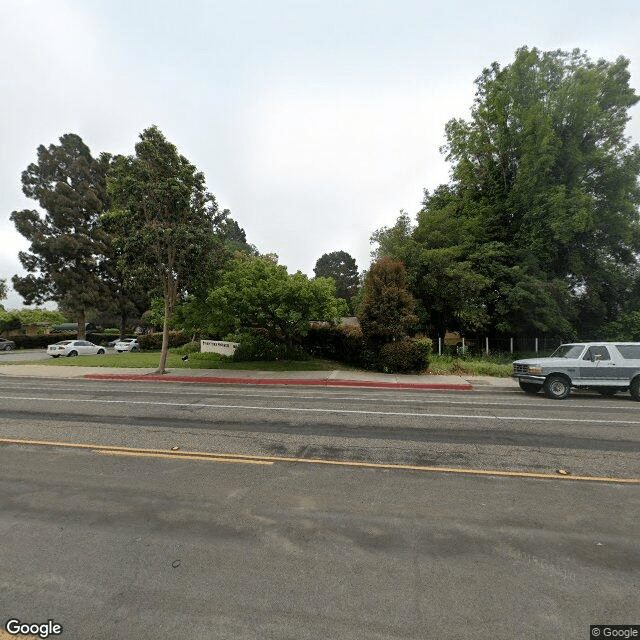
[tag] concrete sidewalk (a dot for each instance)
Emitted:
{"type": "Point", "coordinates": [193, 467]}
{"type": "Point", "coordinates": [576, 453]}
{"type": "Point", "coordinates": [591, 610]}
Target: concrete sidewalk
{"type": "Point", "coordinates": [226, 376]}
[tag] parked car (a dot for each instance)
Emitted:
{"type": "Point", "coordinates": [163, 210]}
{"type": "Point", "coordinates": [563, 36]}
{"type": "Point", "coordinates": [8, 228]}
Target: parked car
{"type": "Point", "coordinates": [126, 344]}
{"type": "Point", "coordinates": [7, 345]}
{"type": "Point", "coordinates": [74, 348]}
{"type": "Point", "coordinates": [605, 367]}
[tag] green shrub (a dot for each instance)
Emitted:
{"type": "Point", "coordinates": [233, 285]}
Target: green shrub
{"type": "Point", "coordinates": [402, 356]}
{"type": "Point", "coordinates": [153, 341]}
{"type": "Point", "coordinates": [208, 360]}
{"type": "Point", "coordinates": [343, 343]}
{"type": "Point", "coordinates": [188, 348]}
{"type": "Point", "coordinates": [426, 347]}
{"type": "Point", "coordinates": [258, 347]}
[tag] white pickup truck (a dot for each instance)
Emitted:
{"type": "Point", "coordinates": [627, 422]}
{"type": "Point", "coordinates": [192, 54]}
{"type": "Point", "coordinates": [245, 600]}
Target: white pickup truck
{"type": "Point", "coordinates": [606, 367]}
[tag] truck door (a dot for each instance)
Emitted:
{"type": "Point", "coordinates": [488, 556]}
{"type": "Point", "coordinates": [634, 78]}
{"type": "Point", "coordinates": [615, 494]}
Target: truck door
{"type": "Point", "coordinates": [597, 365]}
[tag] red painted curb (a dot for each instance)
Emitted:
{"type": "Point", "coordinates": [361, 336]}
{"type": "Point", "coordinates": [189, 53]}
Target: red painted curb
{"type": "Point", "coordinates": [281, 381]}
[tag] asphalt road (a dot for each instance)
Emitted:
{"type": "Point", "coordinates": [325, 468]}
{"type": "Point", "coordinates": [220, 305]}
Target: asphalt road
{"type": "Point", "coordinates": [119, 543]}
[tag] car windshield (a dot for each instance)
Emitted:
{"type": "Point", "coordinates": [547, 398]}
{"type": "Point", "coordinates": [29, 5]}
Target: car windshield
{"type": "Point", "coordinates": [63, 342]}
{"type": "Point", "coordinates": [568, 351]}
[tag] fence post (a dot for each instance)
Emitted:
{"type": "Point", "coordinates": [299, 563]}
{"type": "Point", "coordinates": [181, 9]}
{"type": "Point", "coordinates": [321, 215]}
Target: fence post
{"type": "Point", "coordinates": [462, 345]}
{"type": "Point", "coordinates": [511, 344]}
{"type": "Point", "coordinates": [536, 345]}
{"type": "Point", "coordinates": [486, 342]}
{"type": "Point", "coordinates": [439, 346]}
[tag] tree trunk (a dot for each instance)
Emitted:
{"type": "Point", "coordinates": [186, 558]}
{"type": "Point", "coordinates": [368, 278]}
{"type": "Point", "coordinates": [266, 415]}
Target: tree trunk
{"type": "Point", "coordinates": [165, 338]}
{"type": "Point", "coordinates": [82, 331]}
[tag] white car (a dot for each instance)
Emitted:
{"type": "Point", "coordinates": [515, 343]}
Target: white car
{"type": "Point", "coordinates": [74, 348]}
{"type": "Point", "coordinates": [126, 344]}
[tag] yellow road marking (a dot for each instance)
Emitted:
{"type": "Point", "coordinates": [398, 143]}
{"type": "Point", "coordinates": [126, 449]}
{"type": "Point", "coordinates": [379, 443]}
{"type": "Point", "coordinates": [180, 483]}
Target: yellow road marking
{"type": "Point", "coordinates": [137, 454]}
{"type": "Point", "coordinates": [228, 457]}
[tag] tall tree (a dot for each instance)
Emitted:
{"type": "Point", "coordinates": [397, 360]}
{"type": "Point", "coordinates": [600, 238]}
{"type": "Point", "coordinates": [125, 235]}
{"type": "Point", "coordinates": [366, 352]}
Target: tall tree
{"type": "Point", "coordinates": [541, 217]}
{"type": "Point", "coordinates": [63, 261]}
{"type": "Point", "coordinates": [342, 267]}
{"type": "Point", "coordinates": [162, 219]}
{"type": "Point", "coordinates": [545, 169]}
{"type": "Point", "coordinates": [387, 310]}
{"type": "Point", "coordinates": [3, 288]}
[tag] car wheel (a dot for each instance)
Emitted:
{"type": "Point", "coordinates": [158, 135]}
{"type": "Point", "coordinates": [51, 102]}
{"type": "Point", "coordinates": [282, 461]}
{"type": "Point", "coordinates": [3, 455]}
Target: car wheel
{"type": "Point", "coordinates": [634, 388]}
{"type": "Point", "coordinates": [529, 387]}
{"type": "Point", "coordinates": [557, 387]}
{"type": "Point", "coordinates": [607, 392]}
{"type": "Point", "coordinates": [72, 354]}
{"type": "Point", "coordinates": [100, 352]}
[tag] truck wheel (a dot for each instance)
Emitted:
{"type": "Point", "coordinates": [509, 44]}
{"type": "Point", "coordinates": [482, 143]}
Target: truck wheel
{"type": "Point", "coordinates": [529, 387]}
{"type": "Point", "coordinates": [557, 387]}
{"type": "Point", "coordinates": [634, 388]}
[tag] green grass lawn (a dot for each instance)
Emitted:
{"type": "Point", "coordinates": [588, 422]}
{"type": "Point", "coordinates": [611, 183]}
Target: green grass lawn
{"type": "Point", "coordinates": [440, 365]}
{"type": "Point", "coordinates": [478, 366]}
{"type": "Point", "coordinates": [150, 360]}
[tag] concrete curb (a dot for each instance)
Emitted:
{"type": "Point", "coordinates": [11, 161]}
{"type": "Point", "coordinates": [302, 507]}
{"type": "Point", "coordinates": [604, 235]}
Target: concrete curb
{"type": "Point", "coordinates": [319, 382]}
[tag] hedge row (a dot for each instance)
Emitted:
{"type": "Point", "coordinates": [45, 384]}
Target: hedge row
{"type": "Point", "coordinates": [44, 340]}
{"type": "Point", "coordinates": [345, 343]}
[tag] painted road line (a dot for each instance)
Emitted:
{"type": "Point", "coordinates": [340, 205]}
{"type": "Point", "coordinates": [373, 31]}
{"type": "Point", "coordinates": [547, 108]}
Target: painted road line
{"type": "Point", "coordinates": [407, 414]}
{"type": "Point", "coordinates": [430, 398]}
{"type": "Point", "coordinates": [188, 455]}
{"type": "Point", "coordinates": [176, 456]}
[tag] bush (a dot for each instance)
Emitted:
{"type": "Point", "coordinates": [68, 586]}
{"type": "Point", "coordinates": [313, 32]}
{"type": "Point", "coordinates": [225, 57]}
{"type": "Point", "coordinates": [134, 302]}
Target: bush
{"type": "Point", "coordinates": [208, 360]}
{"type": "Point", "coordinates": [343, 343]}
{"type": "Point", "coordinates": [188, 348]}
{"type": "Point", "coordinates": [402, 356]}
{"type": "Point", "coordinates": [153, 341]}
{"type": "Point", "coordinates": [258, 347]}
{"type": "Point", "coordinates": [426, 347]}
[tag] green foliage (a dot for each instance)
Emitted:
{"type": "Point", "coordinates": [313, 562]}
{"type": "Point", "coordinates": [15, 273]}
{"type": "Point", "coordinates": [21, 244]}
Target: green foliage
{"type": "Point", "coordinates": [254, 347]}
{"type": "Point", "coordinates": [9, 321]}
{"type": "Point", "coordinates": [206, 360]}
{"type": "Point", "coordinates": [403, 356]}
{"type": "Point", "coordinates": [425, 345]}
{"type": "Point", "coordinates": [3, 289]}
{"type": "Point", "coordinates": [625, 329]}
{"type": "Point", "coordinates": [343, 343]}
{"type": "Point", "coordinates": [162, 219]}
{"type": "Point", "coordinates": [342, 267]}
{"type": "Point", "coordinates": [387, 310]}
{"type": "Point", "coordinates": [538, 231]}
{"type": "Point", "coordinates": [471, 365]}
{"type": "Point", "coordinates": [36, 316]}
{"type": "Point", "coordinates": [188, 348]}
{"type": "Point", "coordinates": [63, 261]}
{"type": "Point", "coordinates": [153, 341]}
{"type": "Point", "coordinates": [257, 293]}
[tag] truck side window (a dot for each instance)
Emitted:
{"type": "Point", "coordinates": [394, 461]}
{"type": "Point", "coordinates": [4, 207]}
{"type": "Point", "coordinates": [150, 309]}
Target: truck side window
{"type": "Point", "coordinates": [597, 350]}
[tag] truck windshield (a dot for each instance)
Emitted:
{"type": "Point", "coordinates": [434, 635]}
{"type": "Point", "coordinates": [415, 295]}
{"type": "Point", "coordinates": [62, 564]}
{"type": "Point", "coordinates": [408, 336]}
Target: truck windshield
{"type": "Point", "coordinates": [568, 351]}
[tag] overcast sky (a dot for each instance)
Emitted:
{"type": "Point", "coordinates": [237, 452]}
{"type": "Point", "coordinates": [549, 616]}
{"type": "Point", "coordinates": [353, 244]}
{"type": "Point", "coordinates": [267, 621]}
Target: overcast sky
{"type": "Point", "coordinates": [314, 121]}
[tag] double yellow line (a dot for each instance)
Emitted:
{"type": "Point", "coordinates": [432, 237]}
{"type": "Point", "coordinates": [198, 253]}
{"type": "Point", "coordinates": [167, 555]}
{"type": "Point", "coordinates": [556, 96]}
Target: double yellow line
{"type": "Point", "coordinates": [110, 450]}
